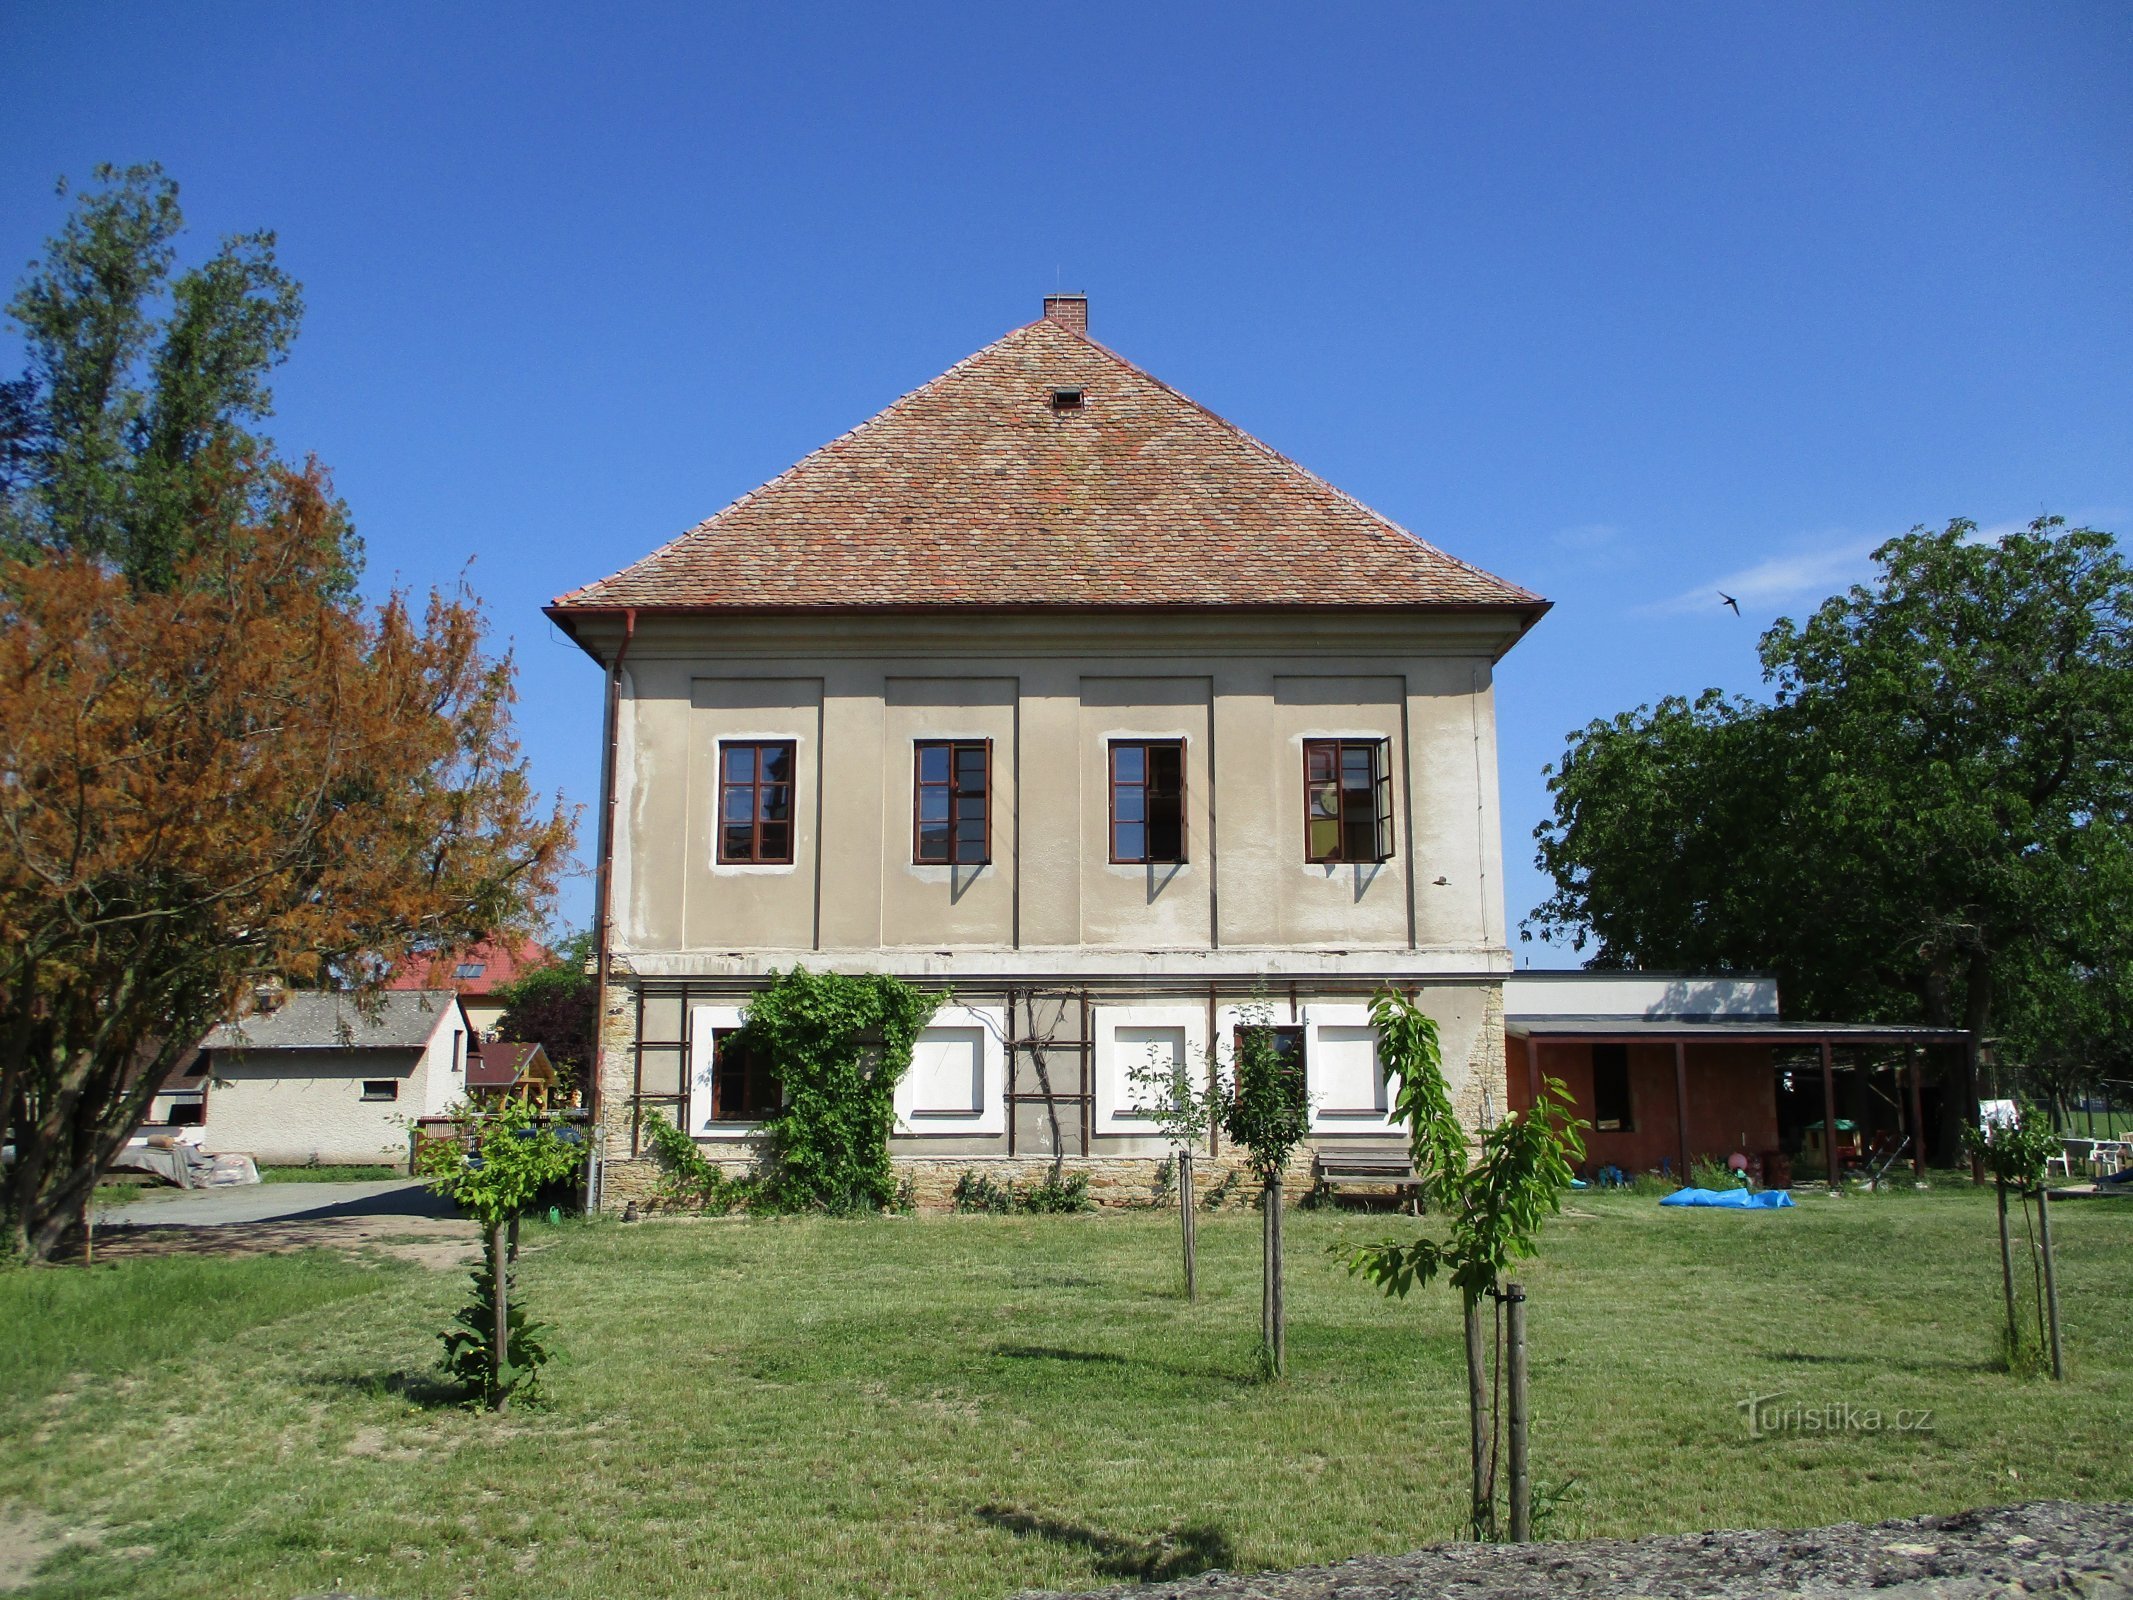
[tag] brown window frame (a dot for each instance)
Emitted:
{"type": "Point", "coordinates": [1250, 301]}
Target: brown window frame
{"type": "Point", "coordinates": [756, 786]}
{"type": "Point", "coordinates": [756, 1079]}
{"type": "Point", "coordinates": [1380, 789]}
{"type": "Point", "coordinates": [919, 786]}
{"type": "Point", "coordinates": [1147, 788]}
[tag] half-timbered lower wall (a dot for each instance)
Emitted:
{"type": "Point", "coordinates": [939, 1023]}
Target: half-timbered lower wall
{"type": "Point", "coordinates": [1025, 1079]}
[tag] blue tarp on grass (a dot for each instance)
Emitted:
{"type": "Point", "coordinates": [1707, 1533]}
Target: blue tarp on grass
{"type": "Point", "coordinates": [1730, 1199]}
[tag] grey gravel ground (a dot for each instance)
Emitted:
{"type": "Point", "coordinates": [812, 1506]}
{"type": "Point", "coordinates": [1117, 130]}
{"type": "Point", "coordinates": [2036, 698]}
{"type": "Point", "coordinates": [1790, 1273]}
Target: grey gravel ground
{"type": "Point", "coordinates": [2049, 1547]}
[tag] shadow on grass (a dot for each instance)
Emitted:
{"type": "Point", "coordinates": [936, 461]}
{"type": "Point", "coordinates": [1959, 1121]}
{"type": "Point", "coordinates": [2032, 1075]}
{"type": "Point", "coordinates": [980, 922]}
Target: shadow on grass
{"type": "Point", "coordinates": [1182, 1552]}
{"type": "Point", "coordinates": [1881, 1360]}
{"type": "Point", "coordinates": [1108, 1358]}
{"type": "Point", "coordinates": [429, 1390]}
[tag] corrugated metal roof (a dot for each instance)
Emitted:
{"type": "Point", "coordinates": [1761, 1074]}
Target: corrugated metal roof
{"type": "Point", "coordinates": [309, 1020]}
{"type": "Point", "coordinates": [1742, 1030]}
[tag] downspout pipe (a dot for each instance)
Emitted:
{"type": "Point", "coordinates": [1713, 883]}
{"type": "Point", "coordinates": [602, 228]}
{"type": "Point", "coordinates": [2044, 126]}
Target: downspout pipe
{"type": "Point", "coordinates": [604, 914]}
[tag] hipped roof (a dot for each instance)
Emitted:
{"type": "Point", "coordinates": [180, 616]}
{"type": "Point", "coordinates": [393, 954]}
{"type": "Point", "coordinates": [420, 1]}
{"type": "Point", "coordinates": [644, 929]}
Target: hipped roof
{"type": "Point", "coordinates": [976, 490]}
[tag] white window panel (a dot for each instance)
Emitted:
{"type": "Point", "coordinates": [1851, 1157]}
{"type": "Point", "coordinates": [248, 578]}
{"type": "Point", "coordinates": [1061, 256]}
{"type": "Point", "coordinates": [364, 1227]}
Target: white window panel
{"type": "Point", "coordinates": [948, 1072]}
{"type": "Point", "coordinates": [1345, 1080]}
{"type": "Point", "coordinates": [1126, 1038]}
{"type": "Point", "coordinates": [1350, 1092]}
{"type": "Point", "coordinates": [957, 1082]}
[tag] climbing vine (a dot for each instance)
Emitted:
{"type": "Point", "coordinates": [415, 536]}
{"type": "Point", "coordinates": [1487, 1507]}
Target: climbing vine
{"type": "Point", "coordinates": [838, 1046]}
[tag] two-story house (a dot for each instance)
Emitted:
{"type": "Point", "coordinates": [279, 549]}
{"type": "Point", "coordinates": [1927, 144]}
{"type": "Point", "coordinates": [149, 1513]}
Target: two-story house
{"type": "Point", "coordinates": [1048, 686]}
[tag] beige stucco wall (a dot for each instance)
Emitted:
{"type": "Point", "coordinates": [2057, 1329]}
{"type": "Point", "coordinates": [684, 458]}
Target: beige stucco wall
{"type": "Point", "coordinates": [1050, 701]}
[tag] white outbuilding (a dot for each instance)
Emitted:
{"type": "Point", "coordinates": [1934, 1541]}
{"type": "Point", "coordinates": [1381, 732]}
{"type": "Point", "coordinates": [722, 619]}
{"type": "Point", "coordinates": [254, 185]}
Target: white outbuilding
{"type": "Point", "coordinates": [323, 1078]}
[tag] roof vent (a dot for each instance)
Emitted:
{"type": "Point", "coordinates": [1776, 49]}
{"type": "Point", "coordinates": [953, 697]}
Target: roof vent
{"type": "Point", "coordinates": [1069, 311]}
{"type": "Point", "coordinates": [1066, 399]}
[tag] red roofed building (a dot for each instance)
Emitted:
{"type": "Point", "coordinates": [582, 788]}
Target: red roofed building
{"type": "Point", "coordinates": [477, 974]}
{"type": "Point", "coordinates": [1048, 684]}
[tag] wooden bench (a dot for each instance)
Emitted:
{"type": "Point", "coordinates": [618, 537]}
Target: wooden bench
{"type": "Point", "coordinates": [1378, 1169]}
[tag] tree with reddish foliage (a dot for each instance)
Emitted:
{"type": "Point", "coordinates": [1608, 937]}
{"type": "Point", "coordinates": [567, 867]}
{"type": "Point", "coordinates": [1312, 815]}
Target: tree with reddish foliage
{"type": "Point", "coordinates": [215, 765]}
{"type": "Point", "coordinates": [232, 775]}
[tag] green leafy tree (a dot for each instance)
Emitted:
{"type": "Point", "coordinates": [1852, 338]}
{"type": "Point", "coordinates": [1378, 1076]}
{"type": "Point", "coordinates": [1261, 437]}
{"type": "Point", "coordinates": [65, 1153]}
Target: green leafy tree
{"type": "Point", "coordinates": [1182, 1108]}
{"type": "Point", "coordinates": [1930, 819]}
{"type": "Point", "coordinates": [1494, 1208]}
{"type": "Point", "coordinates": [552, 1006]}
{"type": "Point", "coordinates": [838, 1046]}
{"type": "Point", "coordinates": [1266, 1112]}
{"type": "Point", "coordinates": [143, 384]}
{"type": "Point", "coordinates": [499, 1165]}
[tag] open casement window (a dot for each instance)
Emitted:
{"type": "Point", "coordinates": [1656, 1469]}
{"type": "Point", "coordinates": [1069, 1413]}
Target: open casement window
{"type": "Point", "coordinates": [1147, 800]}
{"type": "Point", "coordinates": [743, 1088]}
{"type": "Point", "coordinates": [952, 820]}
{"type": "Point", "coordinates": [1611, 1110]}
{"type": "Point", "coordinates": [755, 802]}
{"type": "Point", "coordinates": [1348, 800]}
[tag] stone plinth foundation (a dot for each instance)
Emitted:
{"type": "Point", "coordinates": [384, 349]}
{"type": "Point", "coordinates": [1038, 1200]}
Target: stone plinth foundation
{"type": "Point", "coordinates": [1120, 1183]}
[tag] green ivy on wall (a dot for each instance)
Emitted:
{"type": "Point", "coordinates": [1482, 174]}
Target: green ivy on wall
{"type": "Point", "coordinates": [838, 1046]}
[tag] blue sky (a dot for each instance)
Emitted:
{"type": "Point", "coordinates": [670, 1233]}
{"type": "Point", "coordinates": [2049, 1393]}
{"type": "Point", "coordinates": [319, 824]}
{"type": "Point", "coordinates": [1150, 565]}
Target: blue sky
{"type": "Point", "coordinates": [1626, 303]}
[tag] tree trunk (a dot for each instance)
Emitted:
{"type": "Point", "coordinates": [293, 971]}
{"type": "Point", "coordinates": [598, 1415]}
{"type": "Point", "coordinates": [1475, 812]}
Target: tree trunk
{"type": "Point", "coordinates": [1481, 1512]}
{"type": "Point", "coordinates": [2014, 1333]}
{"type": "Point", "coordinates": [500, 1335]}
{"type": "Point", "coordinates": [2051, 1283]}
{"type": "Point", "coordinates": [1186, 1226]}
{"type": "Point", "coordinates": [1514, 1307]}
{"type": "Point", "coordinates": [1272, 1311]}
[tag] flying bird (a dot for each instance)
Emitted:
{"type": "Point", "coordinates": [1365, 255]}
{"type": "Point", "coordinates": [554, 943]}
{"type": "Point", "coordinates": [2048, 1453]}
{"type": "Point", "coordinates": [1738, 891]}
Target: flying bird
{"type": "Point", "coordinates": [1727, 599]}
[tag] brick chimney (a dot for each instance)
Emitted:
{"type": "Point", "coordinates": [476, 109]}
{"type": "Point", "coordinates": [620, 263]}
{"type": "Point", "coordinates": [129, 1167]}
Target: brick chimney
{"type": "Point", "coordinates": [1069, 311]}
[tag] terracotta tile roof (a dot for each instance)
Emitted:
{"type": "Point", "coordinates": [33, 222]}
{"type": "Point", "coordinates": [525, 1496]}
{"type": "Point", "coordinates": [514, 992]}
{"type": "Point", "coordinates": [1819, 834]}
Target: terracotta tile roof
{"type": "Point", "coordinates": [479, 970]}
{"type": "Point", "coordinates": [975, 490]}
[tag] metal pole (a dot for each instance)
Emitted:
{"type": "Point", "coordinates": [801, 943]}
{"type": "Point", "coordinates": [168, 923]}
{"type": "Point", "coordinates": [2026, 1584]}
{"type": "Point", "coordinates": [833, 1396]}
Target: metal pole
{"type": "Point", "coordinates": [1681, 1101]}
{"type": "Point", "coordinates": [1514, 1305]}
{"type": "Point", "coordinates": [1829, 1117]}
{"type": "Point", "coordinates": [2051, 1282]}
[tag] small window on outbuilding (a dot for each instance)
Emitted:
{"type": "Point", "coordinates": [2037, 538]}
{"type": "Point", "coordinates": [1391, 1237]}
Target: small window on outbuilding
{"type": "Point", "coordinates": [381, 1088]}
{"type": "Point", "coordinates": [1611, 1111]}
{"type": "Point", "coordinates": [1066, 399]}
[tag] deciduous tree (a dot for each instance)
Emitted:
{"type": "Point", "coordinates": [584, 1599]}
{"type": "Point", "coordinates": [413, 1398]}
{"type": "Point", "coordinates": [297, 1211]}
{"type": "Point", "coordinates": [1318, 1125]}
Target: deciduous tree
{"type": "Point", "coordinates": [140, 384]}
{"type": "Point", "coordinates": [1930, 819]}
{"type": "Point", "coordinates": [234, 772]}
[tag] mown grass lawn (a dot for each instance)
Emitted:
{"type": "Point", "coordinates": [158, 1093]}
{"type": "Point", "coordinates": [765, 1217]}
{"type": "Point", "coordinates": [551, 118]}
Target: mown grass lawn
{"type": "Point", "coordinates": [968, 1405]}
